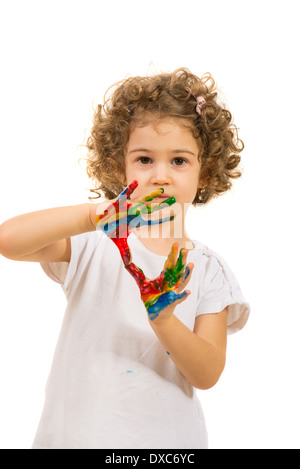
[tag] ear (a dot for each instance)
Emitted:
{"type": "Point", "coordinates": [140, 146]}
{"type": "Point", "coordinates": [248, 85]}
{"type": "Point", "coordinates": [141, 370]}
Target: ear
{"type": "Point", "coordinates": [204, 174]}
{"type": "Point", "coordinates": [203, 179]}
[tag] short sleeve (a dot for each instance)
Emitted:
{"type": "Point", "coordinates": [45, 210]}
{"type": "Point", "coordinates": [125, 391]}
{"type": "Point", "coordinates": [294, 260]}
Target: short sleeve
{"type": "Point", "coordinates": [222, 290]}
{"type": "Point", "coordinates": [57, 271]}
{"type": "Point", "coordinates": [64, 273]}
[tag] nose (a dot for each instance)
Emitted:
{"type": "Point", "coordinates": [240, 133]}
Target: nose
{"type": "Point", "coordinates": [161, 175]}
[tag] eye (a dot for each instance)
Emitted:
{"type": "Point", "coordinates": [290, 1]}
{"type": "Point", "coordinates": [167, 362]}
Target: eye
{"type": "Point", "coordinates": [144, 160]}
{"type": "Point", "coordinates": [179, 161]}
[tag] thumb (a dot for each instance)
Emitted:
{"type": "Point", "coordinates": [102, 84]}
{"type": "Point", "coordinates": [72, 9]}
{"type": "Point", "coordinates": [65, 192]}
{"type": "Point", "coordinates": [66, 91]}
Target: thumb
{"type": "Point", "coordinates": [165, 300]}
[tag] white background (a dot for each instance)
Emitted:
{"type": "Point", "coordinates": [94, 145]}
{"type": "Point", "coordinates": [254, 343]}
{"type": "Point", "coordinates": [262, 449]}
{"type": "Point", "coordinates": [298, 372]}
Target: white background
{"type": "Point", "coordinates": [57, 60]}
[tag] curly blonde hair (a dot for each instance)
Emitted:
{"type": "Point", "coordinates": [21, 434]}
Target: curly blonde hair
{"type": "Point", "coordinates": [135, 100]}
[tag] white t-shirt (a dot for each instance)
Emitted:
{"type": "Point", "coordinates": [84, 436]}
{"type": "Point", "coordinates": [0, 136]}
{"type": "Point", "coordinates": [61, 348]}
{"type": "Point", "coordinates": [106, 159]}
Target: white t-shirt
{"type": "Point", "coordinates": [112, 384]}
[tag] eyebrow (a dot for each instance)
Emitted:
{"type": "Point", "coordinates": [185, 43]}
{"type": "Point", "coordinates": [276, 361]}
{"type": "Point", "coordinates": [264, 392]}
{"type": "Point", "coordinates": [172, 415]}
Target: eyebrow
{"type": "Point", "coordinates": [173, 151]}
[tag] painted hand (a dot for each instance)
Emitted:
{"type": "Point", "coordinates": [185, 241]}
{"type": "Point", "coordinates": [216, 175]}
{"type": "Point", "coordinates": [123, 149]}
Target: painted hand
{"type": "Point", "coordinates": [118, 220]}
{"type": "Point", "coordinates": [161, 295]}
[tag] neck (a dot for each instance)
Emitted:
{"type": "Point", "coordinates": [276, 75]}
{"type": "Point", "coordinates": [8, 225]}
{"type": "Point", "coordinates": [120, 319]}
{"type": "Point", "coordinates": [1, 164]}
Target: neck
{"type": "Point", "coordinates": [163, 246]}
{"type": "Point", "coordinates": [160, 238]}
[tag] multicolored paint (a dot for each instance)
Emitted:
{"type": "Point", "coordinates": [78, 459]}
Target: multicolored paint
{"type": "Point", "coordinates": [159, 293]}
{"type": "Point", "coordinates": [117, 221]}
{"type": "Point", "coordinates": [122, 215]}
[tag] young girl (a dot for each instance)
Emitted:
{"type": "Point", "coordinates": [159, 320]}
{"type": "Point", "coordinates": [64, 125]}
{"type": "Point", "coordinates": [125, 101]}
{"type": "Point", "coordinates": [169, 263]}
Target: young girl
{"type": "Point", "coordinates": [134, 343]}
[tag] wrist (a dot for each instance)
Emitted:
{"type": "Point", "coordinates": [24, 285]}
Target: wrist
{"type": "Point", "coordinates": [162, 321]}
{"type": "Point", "coordinates": [166, 330]}
{"type": "Point", "coordinates": [94, 211]}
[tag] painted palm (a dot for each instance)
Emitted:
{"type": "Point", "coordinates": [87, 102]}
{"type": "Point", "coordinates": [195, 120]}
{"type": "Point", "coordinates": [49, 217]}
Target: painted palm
{"type": "Point", "coordinates": [160, 292]}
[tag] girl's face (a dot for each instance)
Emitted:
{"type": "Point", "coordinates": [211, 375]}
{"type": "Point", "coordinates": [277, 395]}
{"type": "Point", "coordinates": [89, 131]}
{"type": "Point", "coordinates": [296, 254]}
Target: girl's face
{"type": "Point", "coordinates": [163, 155]}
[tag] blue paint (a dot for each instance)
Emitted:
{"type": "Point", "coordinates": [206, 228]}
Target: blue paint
{"type": "Point", "coordinates": [163, 301]}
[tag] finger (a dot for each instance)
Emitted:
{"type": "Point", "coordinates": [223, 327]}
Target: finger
{"type": "Point", "coordinates": [185, 278]}
{"type": "Point", "coordinates": [184, 253]}
{"type": "Point", "coordinates": [177, 298]}
{"type": "Point", "coordinates": [111, 216]}
{"type": "Point", "coordinates": [136, 220]}
{"type": "Point", "coordinates": [153, 195]}
{"type": "Point", "coordinates": [128, 190]}
{"type": "Point", "coordinates": [151, 208]}
{"type": "Point", "coordinates": [181, 297]}
{"type": "Point", "coordinates": [181, 261]}
{"type": "Point", "coordinates": [171, 259]}
{"type": "Point", "coordinates": [178, 269]}
{"type": "Point", "coordinates": [136, 209]}
{"type": "Point", "coordinates": [174, 275]}
{"type": "Point", "coordinates": [142, 207]}
{"type": "Point", "coordinates": [159, 221]}
{"type": "Point", "coordinates": [165, 300]}
{"type": "Point", "coordinates": [157, 193]}
{"type": "Point", "coordinates": [102, 211]}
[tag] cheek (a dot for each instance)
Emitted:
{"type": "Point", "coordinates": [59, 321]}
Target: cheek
{"type": "Point", "coordinates": [194, 184]}
{"type": "Point", "coordinates": [131, 175]}
{"type": "Point", "coordinates": [132, 171]}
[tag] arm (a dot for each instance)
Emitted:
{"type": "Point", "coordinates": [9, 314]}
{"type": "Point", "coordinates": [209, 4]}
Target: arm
{"type": "Point", "coordinates": [44, 235]}
{"type": "Point", "coordinates": [200, 354]}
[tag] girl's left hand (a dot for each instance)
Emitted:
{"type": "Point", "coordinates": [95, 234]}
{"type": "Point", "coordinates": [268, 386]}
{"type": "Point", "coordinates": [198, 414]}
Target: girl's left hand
{"type": "Point", "coordinates": [163, 294]}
